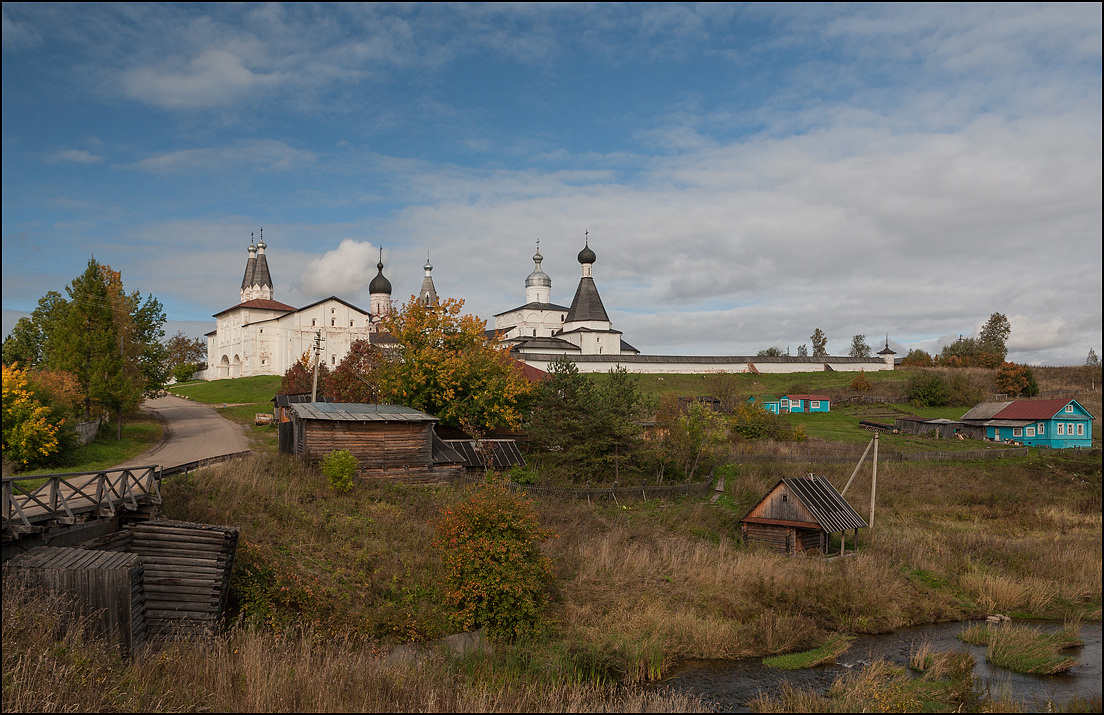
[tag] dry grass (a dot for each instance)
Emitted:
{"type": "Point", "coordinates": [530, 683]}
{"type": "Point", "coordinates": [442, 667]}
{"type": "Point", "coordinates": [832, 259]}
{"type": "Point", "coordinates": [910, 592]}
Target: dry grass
{"type": "Point", "coordinates": [248, 671]}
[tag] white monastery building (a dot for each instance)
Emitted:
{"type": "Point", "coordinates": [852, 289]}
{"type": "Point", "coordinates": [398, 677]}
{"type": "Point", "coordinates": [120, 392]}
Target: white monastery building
{"type": "Point", "coordinates": [262, 336]}
{"type": "Point", "coordinates": [540, 332]}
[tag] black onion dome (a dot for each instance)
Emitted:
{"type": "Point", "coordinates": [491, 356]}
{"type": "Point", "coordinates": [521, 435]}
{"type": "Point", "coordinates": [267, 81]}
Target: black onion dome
{"type": "Point", "coordinates": [380, 284]}
{"type": "Point", "coordinates": [586, 255]}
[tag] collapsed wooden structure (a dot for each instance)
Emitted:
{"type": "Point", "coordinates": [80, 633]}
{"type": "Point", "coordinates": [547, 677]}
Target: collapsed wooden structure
{"type": "Point", "coordinates": [799, 515]}
{"type": "Point", "coordinates": [152, 580]}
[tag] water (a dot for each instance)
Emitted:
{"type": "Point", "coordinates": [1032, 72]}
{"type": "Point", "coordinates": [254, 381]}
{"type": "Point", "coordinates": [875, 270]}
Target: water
{"type": "Point", "coordinates": [729, 685]}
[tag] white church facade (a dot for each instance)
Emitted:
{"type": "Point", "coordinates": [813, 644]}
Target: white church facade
{"type": "Point", "coordinates": [262, 336]}
{"type": "Point", "coordinates": [540, 332]}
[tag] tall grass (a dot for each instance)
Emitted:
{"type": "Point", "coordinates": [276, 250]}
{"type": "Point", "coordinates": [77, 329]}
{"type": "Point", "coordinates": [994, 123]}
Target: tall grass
{"type": "Point", "coordinates": [251, 671]}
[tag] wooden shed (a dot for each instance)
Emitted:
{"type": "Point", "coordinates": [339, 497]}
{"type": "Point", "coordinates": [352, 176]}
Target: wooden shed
{"type": "Point", "coordinates": [388, 441]}
{"type": "Point", "coordinates": [798, 516]}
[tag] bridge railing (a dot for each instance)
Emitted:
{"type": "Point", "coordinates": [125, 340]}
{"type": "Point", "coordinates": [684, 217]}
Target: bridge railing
{"type": "Point", "coordinates": [61, 497]}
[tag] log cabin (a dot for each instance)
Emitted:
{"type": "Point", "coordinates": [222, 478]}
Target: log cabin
{"type": "Point", "coordinates": [799, 515]}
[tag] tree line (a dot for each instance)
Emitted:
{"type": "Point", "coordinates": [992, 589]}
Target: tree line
{"type": "Point", "coordinates": [97, 349]}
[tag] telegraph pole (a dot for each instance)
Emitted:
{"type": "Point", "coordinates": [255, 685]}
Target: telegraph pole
{"type": "Point", "coordinates": [317, 354]}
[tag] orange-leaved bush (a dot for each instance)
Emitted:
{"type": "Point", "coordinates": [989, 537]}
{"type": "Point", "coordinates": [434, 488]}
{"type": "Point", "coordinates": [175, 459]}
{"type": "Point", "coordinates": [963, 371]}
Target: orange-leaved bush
{"type": "Point", "coordinates": [498, 578]}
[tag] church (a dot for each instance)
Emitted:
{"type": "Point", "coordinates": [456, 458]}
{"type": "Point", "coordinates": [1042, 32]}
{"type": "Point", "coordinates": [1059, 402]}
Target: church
{"type": "Point", "coordinates": [262, 336]}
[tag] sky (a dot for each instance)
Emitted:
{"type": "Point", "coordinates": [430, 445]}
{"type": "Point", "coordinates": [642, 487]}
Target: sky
{"type": "Point", "coordinates": [745, 174]}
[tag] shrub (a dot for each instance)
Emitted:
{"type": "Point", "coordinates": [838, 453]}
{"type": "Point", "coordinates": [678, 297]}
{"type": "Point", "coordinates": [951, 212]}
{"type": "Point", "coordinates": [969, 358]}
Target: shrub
{"type": "Point", "coordinates": [340, 467]}
{"type": "Point", "coordinates": [861, 383]}
{"type": "Point", "coordinates": [928, 389]}
{"type": "Point", "coordinates": [1013, 379]}
{"type": "Point", "coordinates": [497, 576]}
{"type": "Point", "coordinates": [31, 430]}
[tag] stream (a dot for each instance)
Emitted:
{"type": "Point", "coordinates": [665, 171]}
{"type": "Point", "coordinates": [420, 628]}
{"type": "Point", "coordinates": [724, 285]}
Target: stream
{"type": "Point", "coordinates": [729, 685]}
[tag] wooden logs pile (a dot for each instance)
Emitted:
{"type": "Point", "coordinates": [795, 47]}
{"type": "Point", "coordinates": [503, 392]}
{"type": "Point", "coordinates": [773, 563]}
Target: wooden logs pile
{"type": "Point", "coordinates": [187, 575]}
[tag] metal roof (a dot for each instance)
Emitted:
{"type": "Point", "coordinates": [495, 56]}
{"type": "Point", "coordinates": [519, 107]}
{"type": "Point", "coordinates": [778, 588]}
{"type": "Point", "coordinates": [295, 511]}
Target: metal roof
{"type": "Point", "coordinates": [830, 510]}
{"type": "Point", "coordinates": [359, 412]}
{"type": "Point", "coordinates": [1037, 409]}
{"type": "Point", "coordinates": [587, 304]}
{"type": "Point", "coordinates": [503, 453]}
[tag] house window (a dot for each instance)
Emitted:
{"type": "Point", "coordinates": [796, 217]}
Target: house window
{"type": "Point", "coordinates": [1042, 428]}
{"type": "Point", "coordinates": [814, 405]}
{"type": "Point", "coordinates": [1080, 429]}
{"type": "Point", "coordinates": [1069, 429]}
{"type": "Point", "coordinates": [1061, 429]}
{"type": "Point", "coordinates": [1030, 431]}
{"type": "Point", "coordinates": [1017, 431]}
{"type": "Point", "coordinates": [1069, 408]}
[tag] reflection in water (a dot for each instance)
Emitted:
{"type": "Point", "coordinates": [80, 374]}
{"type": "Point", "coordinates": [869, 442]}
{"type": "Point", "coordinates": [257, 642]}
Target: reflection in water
{"type": "Point", "coordinates": [729, 685]}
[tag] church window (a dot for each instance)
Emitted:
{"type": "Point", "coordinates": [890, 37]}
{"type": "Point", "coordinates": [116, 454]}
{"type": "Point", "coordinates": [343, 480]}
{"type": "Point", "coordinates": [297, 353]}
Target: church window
{"type": "Point", "coordinates": [313, 322]}
{"type": "Point", "coordinates": [333, 359]}
{"type": "Point", "coordinates": [350, 323]}
{"type": "Point", "coordinates": [333, 322]}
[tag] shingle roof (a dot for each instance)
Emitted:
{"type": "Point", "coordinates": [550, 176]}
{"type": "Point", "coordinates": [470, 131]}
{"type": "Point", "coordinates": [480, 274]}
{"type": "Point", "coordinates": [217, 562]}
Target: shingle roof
{"type": "Point", "coordinates": [260, 273]}
{"type": "Point", "coordinates": [587, 304]}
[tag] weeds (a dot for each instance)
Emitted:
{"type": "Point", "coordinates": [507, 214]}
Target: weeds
{"type": "Point", "coordinates": [835, 646]}
{"type": "Point", "coordinates": [1023, 649]}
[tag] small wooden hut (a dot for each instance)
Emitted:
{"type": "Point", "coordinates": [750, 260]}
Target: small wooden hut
{"type": "Point", "coordinates": [799, 515]}
{"type": "Point", "coordinates": [388, 441]}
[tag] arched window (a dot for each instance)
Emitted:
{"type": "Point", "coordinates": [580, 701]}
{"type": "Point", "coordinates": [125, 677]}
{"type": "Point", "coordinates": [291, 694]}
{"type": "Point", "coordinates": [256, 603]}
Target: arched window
{"type": "Point", "coordinates": [313, 322]}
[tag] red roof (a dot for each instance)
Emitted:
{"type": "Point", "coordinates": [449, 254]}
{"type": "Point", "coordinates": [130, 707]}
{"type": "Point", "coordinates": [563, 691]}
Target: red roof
{"type": "Point", "coordinates": [261, 304]}
{"type": "Point", "coordinates": [532, 374]}
{"type": "Point", "coordinates": [808, 397]}
{"type": "Point", "coordinates": [1032, 410]}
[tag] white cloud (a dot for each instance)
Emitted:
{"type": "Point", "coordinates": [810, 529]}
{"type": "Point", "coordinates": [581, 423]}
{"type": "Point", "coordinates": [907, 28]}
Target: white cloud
{"type": "Point", "coordinates": [1033, 335]}
{"type": "Point", "coordinates": [76, 156]}
{"type": "Point", "coordinates": [215, 77]}
{"type": "Point", "coordinates": [251, 154]}
{"type": "Point", "coordinates": [344, 271]}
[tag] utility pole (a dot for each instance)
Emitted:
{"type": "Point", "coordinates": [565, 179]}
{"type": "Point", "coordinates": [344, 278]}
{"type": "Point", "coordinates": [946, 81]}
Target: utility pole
{"type": "Point", "coordinates": [317, 354]}
{"type": "Point", "coordinates": [874, 481]}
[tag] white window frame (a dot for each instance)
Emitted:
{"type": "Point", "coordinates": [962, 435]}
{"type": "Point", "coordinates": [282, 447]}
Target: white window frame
{"type": "Point", "coordinates": [1069, 408]}
{"type": "Point", "coordinates": [1042, 429]}
{"type": "Point", "coordinates": [814, 404]}
{"type": "Point", "coordinates": [1080, 429]}
{"type": "Point", "coordinates": [1017, 431]}
{"type": "Point", "coordinates": [1030, 431]}
{"type": "Point", "coordinates": [1061, 429]}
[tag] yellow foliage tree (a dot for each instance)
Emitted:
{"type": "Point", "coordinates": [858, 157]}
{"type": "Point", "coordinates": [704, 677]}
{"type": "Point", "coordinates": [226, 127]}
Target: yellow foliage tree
{"type": "Point", "coordinates": [444, 366]}
{"type": "Point", "coordinates": [29, 436]}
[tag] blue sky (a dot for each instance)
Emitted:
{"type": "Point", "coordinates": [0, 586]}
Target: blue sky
{"type": "Point", "coordinates": [747, 173]}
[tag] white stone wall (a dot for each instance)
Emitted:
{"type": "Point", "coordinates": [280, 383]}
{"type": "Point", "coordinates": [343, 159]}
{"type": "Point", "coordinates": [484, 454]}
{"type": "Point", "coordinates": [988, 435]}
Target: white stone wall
{"type": "Point", "coordinates": [688, 367]}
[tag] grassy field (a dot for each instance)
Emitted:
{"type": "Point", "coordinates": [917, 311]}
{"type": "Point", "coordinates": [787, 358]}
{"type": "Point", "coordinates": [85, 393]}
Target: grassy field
{"type": "Point", "coordinates": [325, 584]}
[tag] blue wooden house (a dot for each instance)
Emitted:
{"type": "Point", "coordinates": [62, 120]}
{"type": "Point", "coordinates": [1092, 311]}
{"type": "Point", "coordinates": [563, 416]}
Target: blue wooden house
{"type": "Point", "coordinates": [767, 402]}
{"type": "Point", "coordinates": [804, 403]}
{"type": "Point", "coordinates": [1035, 423]}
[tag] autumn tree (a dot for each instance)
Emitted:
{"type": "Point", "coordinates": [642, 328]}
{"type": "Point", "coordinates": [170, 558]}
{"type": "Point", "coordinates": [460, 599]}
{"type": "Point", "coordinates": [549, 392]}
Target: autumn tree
{"type": "Point", "coordinates": [803, 350]}
{"type": "Point", "coordinates": [299, 378]}
{"type": "Point", "coordinates": [356, 377]}
{"type": "Point", "coordinates": [1013, 379]}
{"type": "Point", "coordinates": [820, 343]}
{"type": "Point", "coordinates": [1092, 360]}
{"type": "Point", "coordinates": [859, 348]}
{"type": "Point", "coordinates": [445, 367]}
{"type": "Point", "coordinates": [917, 358]}
{"type": "Point", "coordinates": [184, 355]}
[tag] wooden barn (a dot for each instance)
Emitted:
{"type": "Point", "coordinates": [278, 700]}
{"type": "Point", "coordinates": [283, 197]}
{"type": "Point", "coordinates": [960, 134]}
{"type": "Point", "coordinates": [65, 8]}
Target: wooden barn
{"type": "Point", "coordinates": [388, 441]}
{"type": "Point", "coordinates": [799, 515]}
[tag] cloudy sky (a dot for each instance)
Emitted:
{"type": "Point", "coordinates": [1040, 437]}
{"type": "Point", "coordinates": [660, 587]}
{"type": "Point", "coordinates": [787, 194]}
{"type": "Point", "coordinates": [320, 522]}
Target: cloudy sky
{"type": "Point", "coordinates": [747, 173]}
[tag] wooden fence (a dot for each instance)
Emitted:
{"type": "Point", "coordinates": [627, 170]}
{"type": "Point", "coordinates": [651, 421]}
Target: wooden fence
{"type": "Point", "coordinates": [616, 493]}
{"type": "Point", "coordinates": [887, 456]}
{"type": "Point", "coordinates": [63, 498]}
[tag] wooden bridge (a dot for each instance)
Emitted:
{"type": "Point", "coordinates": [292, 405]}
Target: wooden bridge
{"type": "Point", "coordinates": [83, 505]}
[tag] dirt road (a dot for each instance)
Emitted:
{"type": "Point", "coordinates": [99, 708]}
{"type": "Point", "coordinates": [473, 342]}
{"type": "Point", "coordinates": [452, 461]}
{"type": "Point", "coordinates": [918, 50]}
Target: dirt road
{"type": "Point", "coordinates": [192, 431]}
